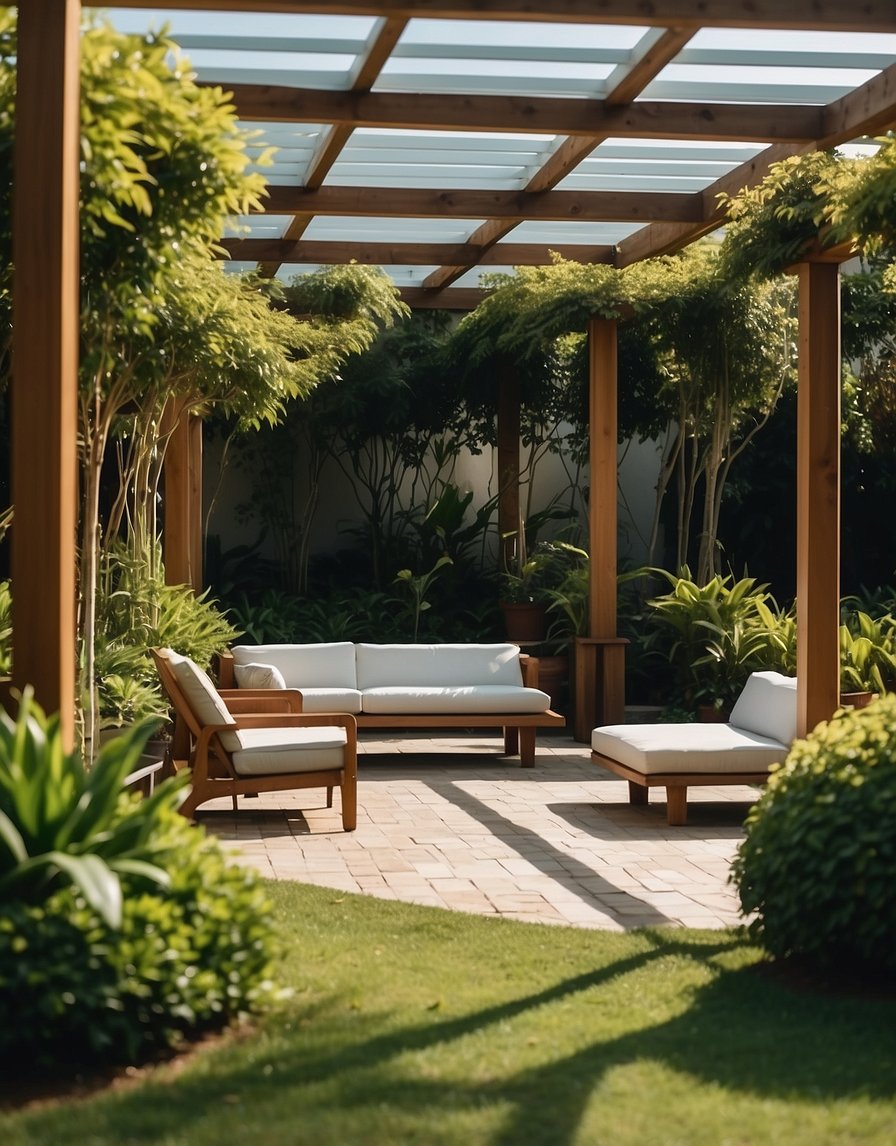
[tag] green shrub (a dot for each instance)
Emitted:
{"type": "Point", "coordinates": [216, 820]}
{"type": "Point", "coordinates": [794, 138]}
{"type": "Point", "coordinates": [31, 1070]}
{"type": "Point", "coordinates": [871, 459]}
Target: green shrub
{"type": "Point", "coordinates": [74, 990]}
{"type": "Point", "coordinates": [818, 865]}
{"type": "Point", "coordinates": [122, 927]}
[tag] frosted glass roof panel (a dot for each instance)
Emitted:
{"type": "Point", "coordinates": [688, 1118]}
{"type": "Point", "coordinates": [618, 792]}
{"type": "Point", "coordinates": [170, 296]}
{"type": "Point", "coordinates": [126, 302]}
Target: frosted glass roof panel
{"type": "Point", "coordinates": [364, 230]}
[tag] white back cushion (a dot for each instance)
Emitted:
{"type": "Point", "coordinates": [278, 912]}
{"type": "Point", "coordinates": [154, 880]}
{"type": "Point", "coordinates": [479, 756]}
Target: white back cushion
{"type": "Point", "coordinates": [203, 697]}
{"type": "Point", "coordinates": [767, 706]}
{"type": "Point", "coordinates": [258, 676]}
{"type": "Point", "coordinates": [304, 666]}
{"type": "Point", "coordinates": [428, 665]}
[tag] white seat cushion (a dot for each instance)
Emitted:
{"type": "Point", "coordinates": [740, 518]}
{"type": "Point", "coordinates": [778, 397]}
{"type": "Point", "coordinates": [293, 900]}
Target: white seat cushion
{"type": "Point", "coordinates": [264, 751]}
{"type": "Point", "coordinates": [331, 700]}
{"type": "Point", "coordinates": [471, 698]}
{"type": "Point", "coordinates": [656, 748]}
{"type": "Point", "coordinates": [258, 676]}
{"type": "Point", "coordinates": [767, 706]}
{"type": "Point", "coordinates": [202, 696]}
{"type": "Point", "coordinates": [325, 665]}
{"type": "Point", "coordinates": [438, 665]}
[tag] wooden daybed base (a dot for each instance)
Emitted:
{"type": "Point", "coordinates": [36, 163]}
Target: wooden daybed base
{"type": "Point", "coordinates": [675, 783]}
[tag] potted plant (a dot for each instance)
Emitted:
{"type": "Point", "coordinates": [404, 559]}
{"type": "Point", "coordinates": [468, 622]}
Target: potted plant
{"type": "Point", "coordinates": [867, 658]}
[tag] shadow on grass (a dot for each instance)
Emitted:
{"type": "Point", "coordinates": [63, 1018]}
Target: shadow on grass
{"type": "Point", "coordinates": [739, 1031]}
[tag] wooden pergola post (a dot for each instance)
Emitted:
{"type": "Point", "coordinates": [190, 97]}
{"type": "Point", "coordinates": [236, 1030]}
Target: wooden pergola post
{"type": "Point", "coordinates": [600, 657]}
{"type": "Point", "coordinates": [509, 520]}
{"type": "Point", "coordinates": [818, 494]}
{"type": "Point", "coordinates": [45, 354]}
{"type": "Point", "coordinates": [182, 532]}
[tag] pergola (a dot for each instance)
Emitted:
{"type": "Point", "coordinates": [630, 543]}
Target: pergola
{"type": "Point", "coordinates": [439, 139]}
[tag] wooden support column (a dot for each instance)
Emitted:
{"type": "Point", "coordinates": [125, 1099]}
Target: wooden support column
{"type": "Point", "coordinates": [818, 494]}
{"type": "Point", "coordinates": [45, 354]}
{"type": "Point", "coordinates": [600, 657]}
{"type": "Point", "coordinates": [182, 529]}
{"type": "Point", "coordinates": [509, 520]}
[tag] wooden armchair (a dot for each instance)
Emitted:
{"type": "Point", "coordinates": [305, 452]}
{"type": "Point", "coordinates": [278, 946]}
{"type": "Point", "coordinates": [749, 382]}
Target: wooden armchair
{"type": "Point", "coordinates": [245, 741]}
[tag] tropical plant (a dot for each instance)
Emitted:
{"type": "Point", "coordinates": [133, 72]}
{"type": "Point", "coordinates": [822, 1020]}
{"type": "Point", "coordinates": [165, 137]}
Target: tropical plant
{"type": "Point", "coordinates": [868, 653]}
{"type": "Point", "coordinates": [825, 819]}
{"type": "Point", "coordinates": [715, 635]}
{"type": "Point", "coordinates": [418, 586]}
{"type": "Point", "coordinates": [62, 824]}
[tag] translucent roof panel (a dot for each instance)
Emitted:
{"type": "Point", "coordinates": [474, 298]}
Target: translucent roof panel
{"type": "Point", "coordinates": [484, 56]}
{"type": "Point", "coordinates": [346, 228]}
{"type": "Point", "coordinates": [563, 234]}
{"type": "Point", "coordinates": [373, 157]}
{"type": "Point", "coordinates": [653, 165]}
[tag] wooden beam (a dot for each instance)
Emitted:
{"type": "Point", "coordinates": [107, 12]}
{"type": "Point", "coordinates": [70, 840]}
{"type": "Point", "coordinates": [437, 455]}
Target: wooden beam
{"type": "Point", "coordinates": [869, 110]}
{"type": "Point", "coordinates": [409, 254]}
{"type": "Point", "coordinates": [182, 528]}
{"type": "Point", "coordinates": [550, 115]}
{"type": "Point", "coordinates": [648, 66]}
{"type": "Point", "coordinates": [457, 298]}
{"type": "Point", "coordinates": [45, 354]}
{"type": "Point", "coordinates": [421, 203]}
{"type": "Point", "coordinates": [810, 15]}
{"type": "Point", "coordinates": [600, 657]}
{"type": "Point", "coordinates": [818, 494]}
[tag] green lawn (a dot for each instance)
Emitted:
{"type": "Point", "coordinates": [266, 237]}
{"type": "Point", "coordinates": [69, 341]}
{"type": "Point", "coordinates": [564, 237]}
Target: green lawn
{"type": "Point", "coordinates": [413, 1025]}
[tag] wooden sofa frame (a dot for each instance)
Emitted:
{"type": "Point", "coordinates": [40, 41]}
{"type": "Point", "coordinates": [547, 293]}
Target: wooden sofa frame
{"type": "Point", "coordinates": [519, 727]}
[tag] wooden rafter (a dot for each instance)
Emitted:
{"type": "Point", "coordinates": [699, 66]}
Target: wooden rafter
{"type": "Point", "coordinates": [408, 254]}
{"type": "Point", "coordinates": [807, 15]}
{"type": "Point", "coordinates": [542, 115]}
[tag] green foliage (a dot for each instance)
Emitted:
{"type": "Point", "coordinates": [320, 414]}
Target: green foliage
{"type": "Point", "coordinates": [5, 628]}
{"type": "Point", "coordinates": [418, 587]}
{"type": "Point", "coordinates": [714, 635]}
{"type": "Point", "coordinates": [771, 224]}
{"type": "Point", "coordinates": [867, 653]}
{"type": "Point", "coordinates": [182, 959]}
{"type": "Point", "coordinates": [818, 864]}
{"type": "Point", "coordinates": [136, 611]}
{"type": "Point", "coordinates": [60, 823]}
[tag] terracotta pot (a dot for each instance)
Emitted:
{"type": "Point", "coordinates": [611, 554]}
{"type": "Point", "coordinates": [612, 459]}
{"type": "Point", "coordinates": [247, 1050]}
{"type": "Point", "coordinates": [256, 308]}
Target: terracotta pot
{"type": "Point", "coordinates": [553, 678]}
{"type": "Point", "coordinates": [709, 714]}
{"type": "Point", "coordinates": [857, 699]}
{"type": "Point", "coordinates": [525, 621]}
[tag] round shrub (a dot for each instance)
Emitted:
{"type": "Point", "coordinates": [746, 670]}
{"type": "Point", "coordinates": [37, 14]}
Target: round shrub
{"type": "Point", "coordinates": [186, 958]}
{"type": "Point", "coordinates": [818, 865]}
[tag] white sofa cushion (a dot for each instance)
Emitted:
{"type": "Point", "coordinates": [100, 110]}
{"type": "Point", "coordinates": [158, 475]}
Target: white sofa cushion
{"type": "Point", "coordinates": [304, 666]}
{"type": "Point", "coordinates": [437, 665]}
{"type": "Point", "coordinates": [258, 676]}
{"type": "Point", "coordinates": [203, 697]}
{"type": "Point", "coordinates": [331, 700]}
{"type": "Point", "coordinates": [263, 751]}
{"type": "Point", "coordinates": [767, 706]}
{"type": "Point", "coordinates": [657, 748]}
{"type": "Point", "coordinates": [459, 699]}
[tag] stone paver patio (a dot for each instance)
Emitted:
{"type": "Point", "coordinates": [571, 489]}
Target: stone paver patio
{"type": "Point", "coordinates": [448, 822]}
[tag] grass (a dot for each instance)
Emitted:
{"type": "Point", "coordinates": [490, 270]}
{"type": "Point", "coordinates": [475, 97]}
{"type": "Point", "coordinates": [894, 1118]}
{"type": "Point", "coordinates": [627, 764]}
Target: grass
{"type": "Point", "coordinates": [413, 1025]}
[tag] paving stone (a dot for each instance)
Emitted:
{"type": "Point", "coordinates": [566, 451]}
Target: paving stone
{"type": "Point", "coordinates": [450, 823]}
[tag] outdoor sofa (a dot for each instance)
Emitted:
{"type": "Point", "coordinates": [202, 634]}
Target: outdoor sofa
{"type": "Point", "coordinates": [406, 685]}
{"type": "Point", "coordinates": [758, 734]}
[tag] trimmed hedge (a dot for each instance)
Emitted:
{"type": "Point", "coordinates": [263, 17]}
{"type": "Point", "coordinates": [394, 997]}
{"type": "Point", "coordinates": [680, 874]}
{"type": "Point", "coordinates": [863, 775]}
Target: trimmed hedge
{"type": "Point", "coordinates": [818, 865]}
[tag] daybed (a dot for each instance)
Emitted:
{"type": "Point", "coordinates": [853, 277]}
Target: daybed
{"type": "Point", "coordinates": [406, 685]}
{"type": "Point", "coordinates": [678, 756]}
